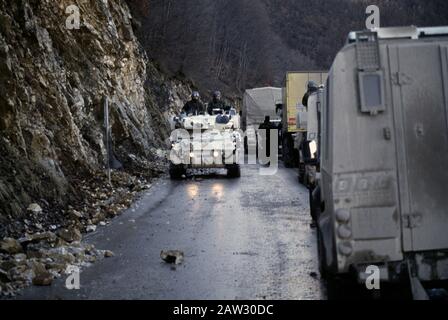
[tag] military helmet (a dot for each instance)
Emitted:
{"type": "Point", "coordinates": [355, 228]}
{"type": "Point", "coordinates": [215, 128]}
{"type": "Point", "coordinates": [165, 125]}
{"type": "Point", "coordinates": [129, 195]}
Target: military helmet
{"type": "Point", "coordinates": [195, 95]}
{"type": "Point", "coordinates": [217, 94]}
{"type": "Point", "coordinates": [312, 86]}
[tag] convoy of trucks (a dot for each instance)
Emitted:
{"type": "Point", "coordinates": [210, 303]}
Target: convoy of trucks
{"type": "Point", "coordinates": [380, 132]}
{"type": "Point", "coordinates": [281, 105]}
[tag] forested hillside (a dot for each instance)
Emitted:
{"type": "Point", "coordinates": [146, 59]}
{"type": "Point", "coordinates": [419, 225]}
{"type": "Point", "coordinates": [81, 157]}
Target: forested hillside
{"type": "Point", "coordinates": [254, 42]}
{"type": "Point", "coordinates": [319, 28]}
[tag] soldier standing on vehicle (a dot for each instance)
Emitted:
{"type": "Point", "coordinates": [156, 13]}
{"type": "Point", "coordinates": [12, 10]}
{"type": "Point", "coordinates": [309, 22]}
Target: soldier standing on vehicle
{"type": "Point", "coordinates": [194, 106]}
{"type": "Point", "coordinates": [216, 103]}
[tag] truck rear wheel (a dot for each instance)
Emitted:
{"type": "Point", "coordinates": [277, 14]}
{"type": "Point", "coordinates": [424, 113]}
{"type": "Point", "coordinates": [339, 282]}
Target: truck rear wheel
{"type": "Point", "coordinates": [345, 287]}
{"type": "Point", "coordinates": [339, 287]}
{"type": "Point", "coordinates": [302, 174]}
{"type": "Point", "coordinates": [321, 255]}
{"type": "Point", "coordinates": [289, 155]}
{"type": "Point", "coordinates": [315, 202]}
{"type": "Point", "coordinates": [234, 171]}
{"type": "Point", "coordinates": [177, 172]}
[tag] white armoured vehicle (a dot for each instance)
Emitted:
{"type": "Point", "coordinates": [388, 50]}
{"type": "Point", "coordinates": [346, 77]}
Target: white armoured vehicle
{"type": "Point", "coordinates": [206, 142]}
{"type": "Point", "coordinates": [381, 121]}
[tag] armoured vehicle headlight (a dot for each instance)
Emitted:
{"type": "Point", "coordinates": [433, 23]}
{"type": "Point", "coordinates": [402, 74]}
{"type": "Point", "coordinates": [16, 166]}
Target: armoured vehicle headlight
{"type": "Point", "coordinates": [343, 215]}
{"type": "Point", "coordinates": [344, 232]}
{"type": "Point", "coordinates": [345, 248]}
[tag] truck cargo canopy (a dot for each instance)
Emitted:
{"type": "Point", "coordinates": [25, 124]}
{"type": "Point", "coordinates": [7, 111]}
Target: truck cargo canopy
{"type": "Point", "coordinates": [261, 102]}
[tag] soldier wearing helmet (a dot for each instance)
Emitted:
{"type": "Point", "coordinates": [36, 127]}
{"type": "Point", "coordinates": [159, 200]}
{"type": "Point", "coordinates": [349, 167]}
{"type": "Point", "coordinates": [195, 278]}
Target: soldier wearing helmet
{"type": "Point", "coordinates": [312, 87]}
{"type": "Point", "coordinates": [194, 106]}
{"type": "Point", "coordinates": [216, 103]}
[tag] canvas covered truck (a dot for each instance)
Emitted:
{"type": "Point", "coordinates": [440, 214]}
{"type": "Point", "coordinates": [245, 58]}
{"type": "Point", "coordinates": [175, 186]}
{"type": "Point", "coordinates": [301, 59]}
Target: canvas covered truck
{"type": "Point", "coordinates": [381, 198]}
{"type": "Point", "coordinates": [257, 104]}
{"type": "Point", "coordinates": [295, 89]}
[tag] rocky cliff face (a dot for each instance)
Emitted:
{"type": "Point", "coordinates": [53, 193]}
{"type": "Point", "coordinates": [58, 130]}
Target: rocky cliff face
{"type": "Point", "coordinates": [53, 82]}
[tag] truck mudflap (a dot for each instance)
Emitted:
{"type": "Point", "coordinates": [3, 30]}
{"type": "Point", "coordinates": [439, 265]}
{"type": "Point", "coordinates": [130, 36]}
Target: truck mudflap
{"type": "Point", "coordinates": [403, 271]}
{"type": "Point", "coordinates": [418, 291]}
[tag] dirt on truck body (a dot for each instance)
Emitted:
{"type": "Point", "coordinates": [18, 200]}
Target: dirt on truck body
{"type": "Point", "coordinates": [383, 147]}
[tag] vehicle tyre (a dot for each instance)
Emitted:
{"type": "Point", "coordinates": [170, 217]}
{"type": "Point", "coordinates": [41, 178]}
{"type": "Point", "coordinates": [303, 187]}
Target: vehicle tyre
{"type": "Point", "coordinates": [321, 255]}
{"type": "Point", "coordinates": [312, 206]}
{"type": "Point", "coordinates": [177, 171]}
{"type": "Point", "coordinates": [234, 171]}
{"type": "Point", "coordinates": [315, 202]}
{"type": "Point", "coordinates": [289, 156]}
{"type": "Point", "coordinates": [302, 173]}
{"type": "Point", "coordinates": [286, 153]}
{"type": "Point", "coordinates": [339, 287]}
{"type": "Point", "coordinates": [346, 287]}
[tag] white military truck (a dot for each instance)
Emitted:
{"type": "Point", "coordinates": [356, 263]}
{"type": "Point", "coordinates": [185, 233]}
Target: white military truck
{"type": "Point", "coordinates": [205, 142]}
{"type": "Point", "coordinates": [382, 126]}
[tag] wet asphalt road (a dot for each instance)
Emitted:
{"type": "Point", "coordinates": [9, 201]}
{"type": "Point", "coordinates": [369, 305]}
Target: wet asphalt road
{"type": "Point", "coordinates": [247, 238]}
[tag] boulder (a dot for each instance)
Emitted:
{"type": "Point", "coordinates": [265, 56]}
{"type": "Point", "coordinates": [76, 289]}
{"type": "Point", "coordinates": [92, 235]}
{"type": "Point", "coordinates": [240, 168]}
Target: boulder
{"type": "Point", "coordinates": [10, 246]}
{"type": "Point", "coordinates": [43, 280]}
{"type": "Point", "coordinates": [20, 258]}
{"type": "Point", "coordinates": [108, 254]}
{"type": "Point", "coordinates": [7, 265]}
{"type": "Point", "coordinates": [21, 273]}
{"type": "Point", "coordinates": [70, 235]}
{"type": "Point", "coordinates": [48, 236]}
{"type": "Point", "coordinates": [91, 228]}
{"type": "Point", "coordinates": [4, 277]}
{"type": "Point", "coordinates": [42, 277]}
{"type": "Point", "coordinates": [61, 255]}
{"type": "Point", "coordinates": [34, 208]}
{"type": "Point", "coordinates": [172, 256]}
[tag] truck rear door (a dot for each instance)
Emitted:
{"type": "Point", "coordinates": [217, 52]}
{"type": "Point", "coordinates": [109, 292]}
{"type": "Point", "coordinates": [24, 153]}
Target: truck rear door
{"type": "Point", "coordinates": [420, 92]}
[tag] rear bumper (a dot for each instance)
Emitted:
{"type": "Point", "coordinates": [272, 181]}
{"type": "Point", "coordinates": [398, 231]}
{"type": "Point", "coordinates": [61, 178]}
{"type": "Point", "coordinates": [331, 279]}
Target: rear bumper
{"type": "Point", "coordinates": [429, 266]}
